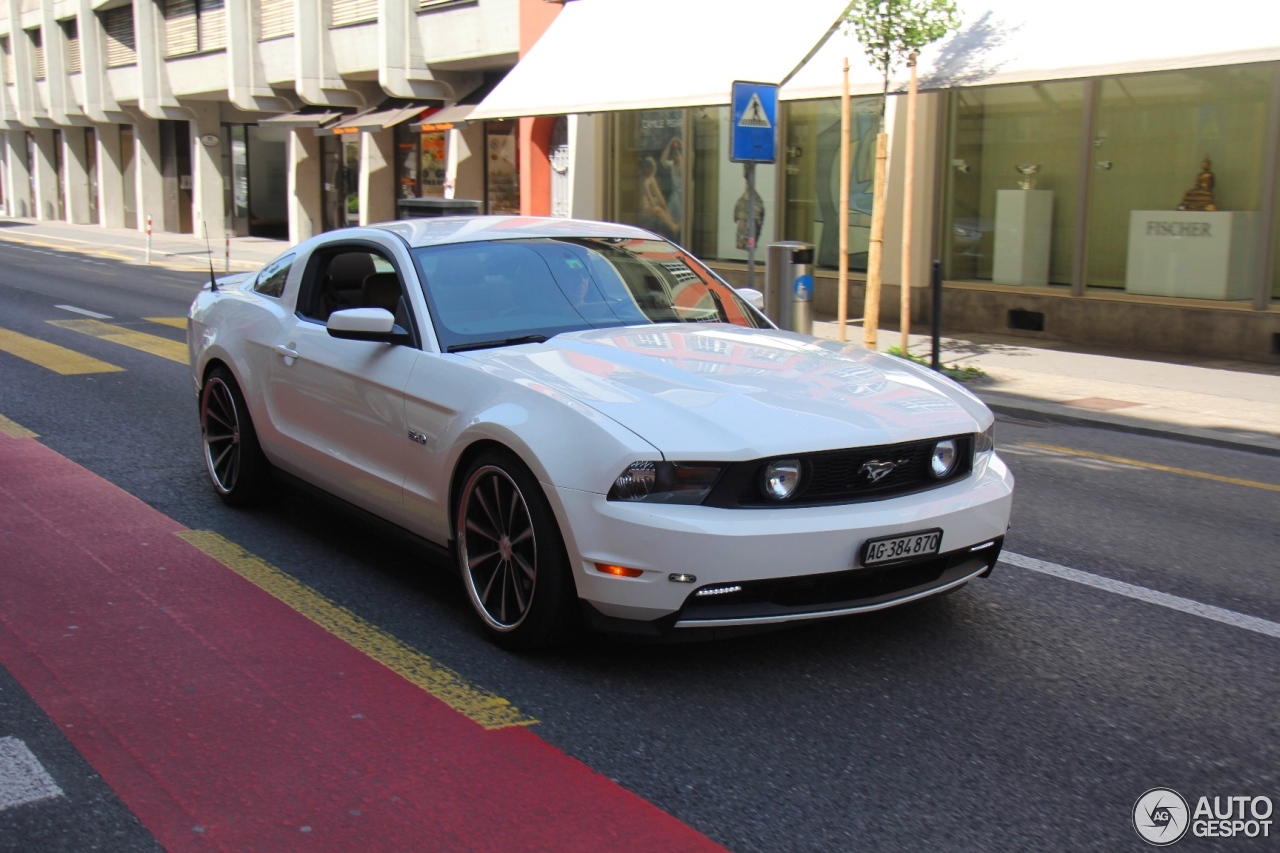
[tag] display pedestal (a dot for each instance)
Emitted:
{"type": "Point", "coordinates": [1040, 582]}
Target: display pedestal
{"type": "Point", "coordinates": [1024, 231]}
{"type": "Point", "coordinates": [1198, 254]}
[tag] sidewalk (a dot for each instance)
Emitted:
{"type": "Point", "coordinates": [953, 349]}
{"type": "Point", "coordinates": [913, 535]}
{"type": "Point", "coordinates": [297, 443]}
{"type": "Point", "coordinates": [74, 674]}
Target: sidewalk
{"type": "Point", "coordinates": [1229, 404]}
{"type": "Point", "coordinates": [1224, 403]}
{"type": "Point", "coordinates": [182, 251]}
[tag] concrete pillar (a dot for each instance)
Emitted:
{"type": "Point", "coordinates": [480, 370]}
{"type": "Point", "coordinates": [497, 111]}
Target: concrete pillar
{"type": "Point", "coordinates": [110, 176]}
{"type": "Point", "coordinates": [305, 213]}
{"type": "Point", "coordinates": [469, 178]}
{"type": "Point", "coordinates": [46, 200]}
{"type": "Point", "coordinates": [377, 177]}
{"type": "Point", "coordinates": [17, 188]}
{"type": "Point", "coordinates": [75, 164]}
{"type": "Point", "coordinates": [150, 187]}
{"type": "Point", "coordinates": [207, 197]}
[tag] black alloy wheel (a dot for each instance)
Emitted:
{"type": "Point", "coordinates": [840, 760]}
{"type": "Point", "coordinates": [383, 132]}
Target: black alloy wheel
{"type": "Point", "coordinates": [511, 555]}
{"type": "Point", "coordinates": [232, 457]}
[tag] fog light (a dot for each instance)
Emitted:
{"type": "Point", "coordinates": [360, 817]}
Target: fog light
{"type": "Point", "coordinates": [618, 571]}
{"type": "Point", "coordinates": [718, 590]}
{"type": "Point", "coordinates": [944, 458]}
{"type": "Point", "coordinates": [781, 479]}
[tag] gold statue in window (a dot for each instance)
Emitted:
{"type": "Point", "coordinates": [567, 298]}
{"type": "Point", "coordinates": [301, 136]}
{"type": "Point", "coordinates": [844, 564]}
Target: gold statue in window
{"type": "Point", "coordinates": [1200, 197]}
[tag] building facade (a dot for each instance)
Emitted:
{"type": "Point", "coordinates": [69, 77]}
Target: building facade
{"type": "Point", "coordinates": [275, 118]}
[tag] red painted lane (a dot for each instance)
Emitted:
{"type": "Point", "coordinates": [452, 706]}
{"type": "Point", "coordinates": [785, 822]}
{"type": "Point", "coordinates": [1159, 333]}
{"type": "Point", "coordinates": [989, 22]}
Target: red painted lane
{"type": "Point", "coordinates": [225, 720]}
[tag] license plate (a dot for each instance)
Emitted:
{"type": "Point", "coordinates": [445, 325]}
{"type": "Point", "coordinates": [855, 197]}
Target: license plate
{"type": "Point", "coordinates": [908, 546]}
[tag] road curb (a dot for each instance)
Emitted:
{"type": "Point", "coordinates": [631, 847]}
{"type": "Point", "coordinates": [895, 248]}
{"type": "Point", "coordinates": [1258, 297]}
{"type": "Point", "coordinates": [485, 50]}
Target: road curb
{"type": "Point", "coordinates": [1057, 413]}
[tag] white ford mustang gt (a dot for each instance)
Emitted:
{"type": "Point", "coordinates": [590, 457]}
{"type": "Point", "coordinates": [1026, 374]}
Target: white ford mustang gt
{"type": "Point", "coordinates": [596, 427]}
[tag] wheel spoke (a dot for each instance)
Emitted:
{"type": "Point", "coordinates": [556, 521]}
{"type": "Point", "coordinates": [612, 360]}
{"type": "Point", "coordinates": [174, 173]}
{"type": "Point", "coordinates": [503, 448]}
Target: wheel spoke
{"type": "Point", "coordinates": [515, 587]}
{"type": "Point", "coordinates": [526, 568]}
{"type": "Point", "coordinates": [497, 569]}
{"type": "Point", "coordinates": [475, 527]}
{"type": "Point", "coordinates": [492, 520]}
{"type": "Point", "coordinates": [473, 562]}
{"type": "Point", "coordinates": [505, 573]}
{"type": "Point", "coordinates": [516, 540]}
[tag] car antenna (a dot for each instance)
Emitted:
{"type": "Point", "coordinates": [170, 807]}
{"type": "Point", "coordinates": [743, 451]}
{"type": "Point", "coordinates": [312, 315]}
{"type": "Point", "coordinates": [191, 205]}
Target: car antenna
{"type": "Point", "coordinates": [213, 282]}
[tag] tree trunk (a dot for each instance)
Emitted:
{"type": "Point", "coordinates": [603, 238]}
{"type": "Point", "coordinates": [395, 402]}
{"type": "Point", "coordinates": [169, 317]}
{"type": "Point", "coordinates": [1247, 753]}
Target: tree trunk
{"type": "Point", "coordinates": [908, 196]}
{"type": "Point", "coordinates": [871, 314]}
{"type": "Point", "coordinates": [843, 280]}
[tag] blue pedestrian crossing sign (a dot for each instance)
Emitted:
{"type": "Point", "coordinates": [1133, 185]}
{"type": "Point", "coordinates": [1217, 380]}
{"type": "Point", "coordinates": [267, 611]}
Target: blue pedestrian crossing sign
{"type": "Point", "coordinates": [755, 123]}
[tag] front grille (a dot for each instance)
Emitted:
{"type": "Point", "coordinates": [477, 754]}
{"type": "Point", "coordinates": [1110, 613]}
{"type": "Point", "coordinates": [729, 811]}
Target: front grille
{"type": "Point", "coordinates": [839, 476]}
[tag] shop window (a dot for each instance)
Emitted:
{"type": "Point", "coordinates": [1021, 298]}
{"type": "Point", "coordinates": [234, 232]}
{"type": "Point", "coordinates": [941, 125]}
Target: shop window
{"type": "Point", "coordinates": [420, 163]}
{"type": "Point", "coordinates": [1154, 134]}
{"type": "Point", "coordinates": [1012, 172]}
{"type": "Point", "coordinates": [648, 175]}
{"type": "Point", "coordinates": [811, 159]}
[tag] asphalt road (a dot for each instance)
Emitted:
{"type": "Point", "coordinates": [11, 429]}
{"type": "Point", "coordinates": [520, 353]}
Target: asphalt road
{"type": "Point", "coordinates": [1025, 711]}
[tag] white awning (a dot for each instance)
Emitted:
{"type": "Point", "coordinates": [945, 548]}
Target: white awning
{"type": "Point", "coordinates": [601, 55]}
{"type": "Point", "coordinates": [1025, 41]}
{"type": "Point", "coordinates": [308, 116]}
{"type": "Point", "coordinates": [387, 114]}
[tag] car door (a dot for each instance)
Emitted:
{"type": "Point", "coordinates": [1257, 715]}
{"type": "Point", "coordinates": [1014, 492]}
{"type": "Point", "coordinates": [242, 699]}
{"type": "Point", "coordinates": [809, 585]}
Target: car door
{"type": "Point", "coordinates": [338, 404]}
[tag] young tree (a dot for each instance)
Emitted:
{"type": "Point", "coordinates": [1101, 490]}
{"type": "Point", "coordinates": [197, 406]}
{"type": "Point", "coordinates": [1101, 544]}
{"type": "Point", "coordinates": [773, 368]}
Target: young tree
{"type": "Point", "coordinates": [891, 32]}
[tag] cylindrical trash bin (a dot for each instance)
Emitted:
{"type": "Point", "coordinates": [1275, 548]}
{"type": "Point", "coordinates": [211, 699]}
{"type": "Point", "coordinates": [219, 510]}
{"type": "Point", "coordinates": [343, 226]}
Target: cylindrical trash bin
{"type": "Point", "coordinates": [417, 208]}
{"type": "Point", "coordinates": [789, 285]}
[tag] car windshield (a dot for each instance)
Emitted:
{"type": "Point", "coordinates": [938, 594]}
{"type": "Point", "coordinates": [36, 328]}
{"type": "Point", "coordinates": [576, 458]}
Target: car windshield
{"type": "Point", "coordinates": [512, 291]}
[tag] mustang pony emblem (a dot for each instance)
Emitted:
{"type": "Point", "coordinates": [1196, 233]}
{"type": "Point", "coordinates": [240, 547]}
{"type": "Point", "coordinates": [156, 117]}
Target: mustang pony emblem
{"type": "Point", "coordinates": [876, 470]}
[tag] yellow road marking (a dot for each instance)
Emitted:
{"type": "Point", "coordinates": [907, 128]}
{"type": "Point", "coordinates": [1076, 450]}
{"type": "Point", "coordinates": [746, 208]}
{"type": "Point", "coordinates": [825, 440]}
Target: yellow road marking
{"type": "Point", "coordinates": [163, 347]}
{"type": "Point", "coordinates": [481, 706]}
{"type": "Point", "coordinates": [176, 322]}
{"type": "Point", "coordinates": [1137, 463]}
{"type": "Point", "coordinates": [15, 430]}
{"type": "Point", "coordinates": [68, 362]}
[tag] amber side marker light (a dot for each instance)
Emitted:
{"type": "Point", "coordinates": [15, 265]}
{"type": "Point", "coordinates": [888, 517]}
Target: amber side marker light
{"type": "Point", "coordinates": [619, 571]}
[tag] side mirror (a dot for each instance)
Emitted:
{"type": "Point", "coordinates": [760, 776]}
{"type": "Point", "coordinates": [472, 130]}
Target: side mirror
{"type": "Point", "coordinates": [366, 324]}
{"type": "Point", "coordinates": [755, 297]}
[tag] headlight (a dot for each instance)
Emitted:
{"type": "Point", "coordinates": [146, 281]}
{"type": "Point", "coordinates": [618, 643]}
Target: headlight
{"type": "Point", "coordinates": [943, 460]}
{"type": "Point", "coordinates": [781, 479]}
{"type": "Point", "coordinates": [665, 482]}
{"type": "Point", "coordinates": [985, 441]}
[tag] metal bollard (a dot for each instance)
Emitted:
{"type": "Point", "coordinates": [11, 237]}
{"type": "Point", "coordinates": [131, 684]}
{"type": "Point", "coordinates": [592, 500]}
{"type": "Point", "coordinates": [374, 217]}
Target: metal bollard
{"type": "Point", "coordinates": [148, 238]}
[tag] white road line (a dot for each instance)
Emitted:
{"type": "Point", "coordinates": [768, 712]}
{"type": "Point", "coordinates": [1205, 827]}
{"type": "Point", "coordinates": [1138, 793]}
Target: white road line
{"type": "Point", "coordinates": [1151, 596]}
{"type": "Point", "coordinates": [22, 778]}
{"type": "Point", "coordinates": [85, 311]}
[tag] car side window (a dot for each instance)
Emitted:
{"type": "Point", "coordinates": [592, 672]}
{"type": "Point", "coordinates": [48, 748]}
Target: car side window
{"type": "Point", "coordinates": [272, 278]}
{"type": "Point", "coordinates": [354, 277]}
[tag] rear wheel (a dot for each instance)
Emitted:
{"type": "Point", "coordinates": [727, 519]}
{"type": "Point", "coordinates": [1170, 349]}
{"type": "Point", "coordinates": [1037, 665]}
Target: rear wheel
{"type": "Point", "coordinates": [511, 555]}
{"type": "Point", "coordinates": [238, 470]}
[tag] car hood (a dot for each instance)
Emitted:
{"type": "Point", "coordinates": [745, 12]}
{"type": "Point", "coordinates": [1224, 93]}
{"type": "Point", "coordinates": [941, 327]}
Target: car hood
{"type": "Point", "coordinates": [717, 392]}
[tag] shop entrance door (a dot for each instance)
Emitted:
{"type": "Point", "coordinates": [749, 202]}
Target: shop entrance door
{"type": "Point", "coordinates": [340, 180]}
{"type": "Point", "coordinates": [91, 171]}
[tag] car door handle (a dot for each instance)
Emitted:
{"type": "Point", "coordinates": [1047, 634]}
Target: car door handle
{"type": "Point", "coordinates": [286, 351]}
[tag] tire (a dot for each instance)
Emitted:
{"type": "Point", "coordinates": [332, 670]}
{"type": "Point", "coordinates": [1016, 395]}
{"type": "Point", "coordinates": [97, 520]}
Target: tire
{"type": "Point", "coordinates": [233, 458]}
{"type": "Point", "coordinates": [512, 557]}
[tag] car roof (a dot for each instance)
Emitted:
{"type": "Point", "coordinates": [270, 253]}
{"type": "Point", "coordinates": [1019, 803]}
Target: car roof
{"type": "Point", "coordinates": [442, 230]}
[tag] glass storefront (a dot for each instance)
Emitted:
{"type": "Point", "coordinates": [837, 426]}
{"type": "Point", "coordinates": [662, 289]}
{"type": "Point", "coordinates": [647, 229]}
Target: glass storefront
{"type": "Point", "coordinates": [1154, 132]}
{"type": "Point", "coordinates": [340, 180]}
{"type": "Point", "coordinates": [1001, 140]}
{"type": "Point", "coordinates": [812, 162]}
{"type": "Point", "coordinates": [420, 162]}
{"type": "Point", "coordinates": [672, 175]}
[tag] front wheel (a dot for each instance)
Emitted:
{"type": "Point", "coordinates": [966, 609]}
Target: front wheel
{"type": "Point", "coordinates": [238, 470]}
{"type": "Point", "coordinates": [511, 555]}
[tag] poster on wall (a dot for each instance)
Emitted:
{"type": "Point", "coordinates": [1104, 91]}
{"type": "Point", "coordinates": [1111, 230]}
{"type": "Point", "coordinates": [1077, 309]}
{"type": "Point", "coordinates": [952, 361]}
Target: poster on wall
{"type": "Point", "coordinates": [660, 172]}
{"type": "Point", "coordinates": [733, 227]}
{"type": "Point", "coordinates": [502, 180]}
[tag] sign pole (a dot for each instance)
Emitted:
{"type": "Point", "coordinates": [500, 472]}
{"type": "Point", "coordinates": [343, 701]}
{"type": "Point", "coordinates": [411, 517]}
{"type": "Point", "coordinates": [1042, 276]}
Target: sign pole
{"type": "Point", "coordinates": [751, 226]}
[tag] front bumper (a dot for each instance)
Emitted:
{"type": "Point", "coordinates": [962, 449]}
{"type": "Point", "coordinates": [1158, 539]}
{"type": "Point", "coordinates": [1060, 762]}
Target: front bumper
{"type": "Point", "coordinates": [775, 555]}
